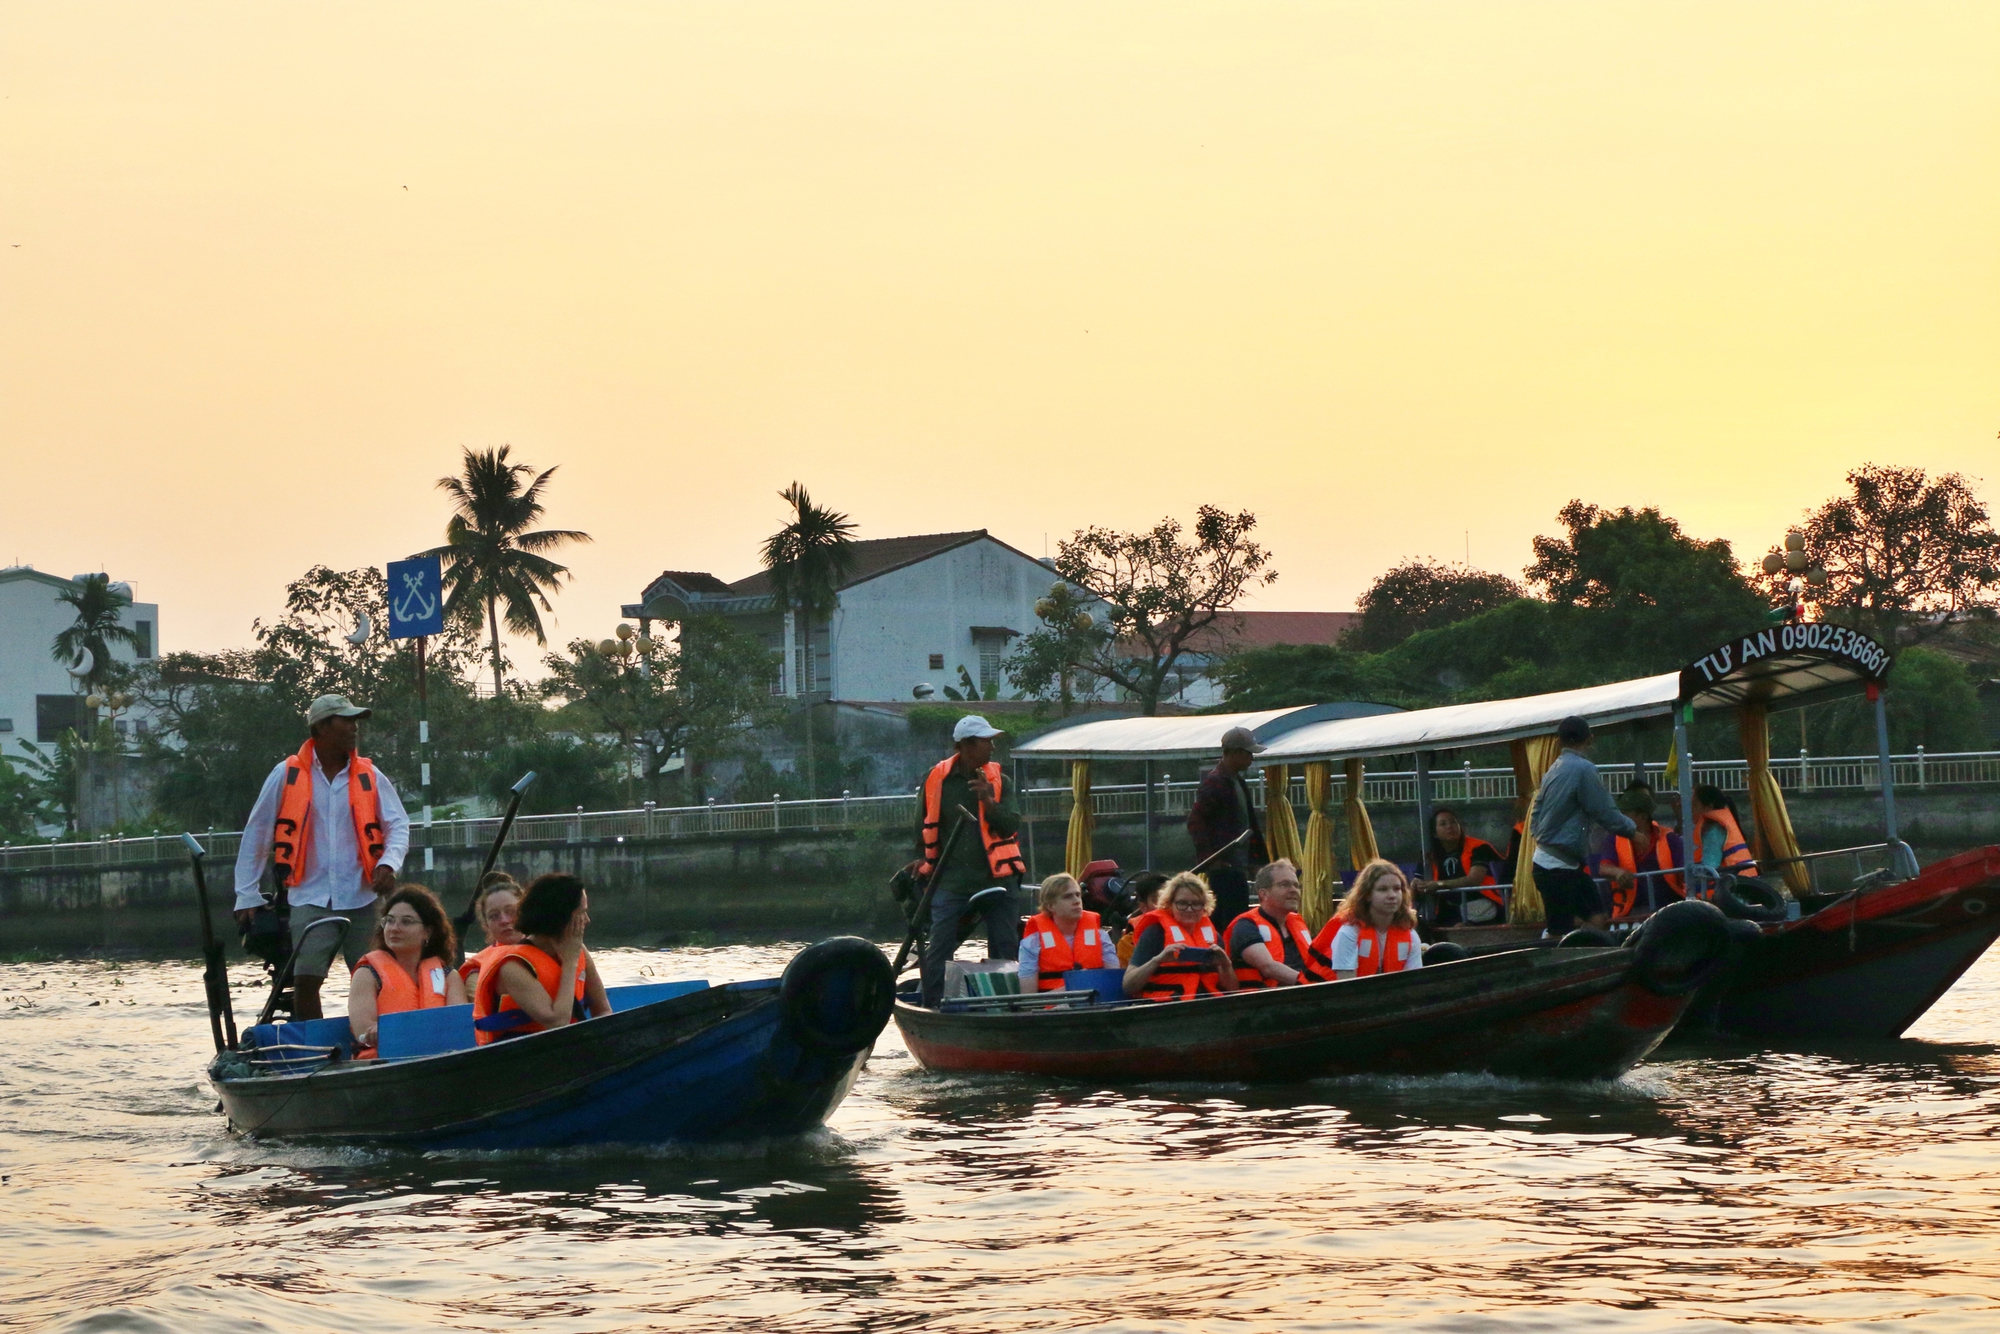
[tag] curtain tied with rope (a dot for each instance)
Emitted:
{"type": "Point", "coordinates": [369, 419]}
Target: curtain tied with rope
{"type": "Point", "coordinates": [1281, 826]}
{"type": "Point", "coordinates": [1532, 758]}
{"type": "Point", "coordinates": [1082, 819]}
{"type": "Point", "coordinates": [1774, 836]}
{"type": "Point", "coordinates": [1316, 870]}
{"type": "Point", "coordinates": [1361, 847]}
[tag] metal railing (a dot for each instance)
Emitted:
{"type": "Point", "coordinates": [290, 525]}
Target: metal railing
{"type": "Point", "coordinates": [1171, 798]}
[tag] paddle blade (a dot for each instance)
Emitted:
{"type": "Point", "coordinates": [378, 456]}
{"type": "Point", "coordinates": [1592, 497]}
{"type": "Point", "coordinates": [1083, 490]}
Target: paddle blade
{"type": "Point", "coordinates": [526, 781]}
{"type": "Point", "coordinates": [194, 848]}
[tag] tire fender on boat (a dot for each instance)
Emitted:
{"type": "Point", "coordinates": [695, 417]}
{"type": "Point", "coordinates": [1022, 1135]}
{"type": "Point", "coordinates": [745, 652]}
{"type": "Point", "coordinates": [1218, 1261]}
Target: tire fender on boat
{"type": "Point", "coordinates": [1750, 900]}
{"type": "Point", "coordinates": [1444, 951]}
{"type": "Point", "coordinates": [1586, 938]}
{"type": "Point", "coordinates": [1680, 946]}
{"type": "Point", "coordinates": [837, 995]}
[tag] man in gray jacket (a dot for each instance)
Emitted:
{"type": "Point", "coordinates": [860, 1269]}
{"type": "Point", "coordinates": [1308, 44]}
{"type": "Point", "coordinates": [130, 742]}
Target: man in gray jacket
{"type": "Point", "coordinates": [1570, 798]}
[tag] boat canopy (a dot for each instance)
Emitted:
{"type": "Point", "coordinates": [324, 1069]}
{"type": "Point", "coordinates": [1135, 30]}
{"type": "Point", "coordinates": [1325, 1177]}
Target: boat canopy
{"type": "Point", "coordinates": [1183, 737]}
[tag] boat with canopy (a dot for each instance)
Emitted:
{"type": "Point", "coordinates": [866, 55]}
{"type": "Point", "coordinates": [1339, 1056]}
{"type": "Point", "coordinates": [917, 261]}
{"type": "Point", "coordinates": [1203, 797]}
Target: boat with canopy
{"type": "Point", "coordinates": [1877, 939]}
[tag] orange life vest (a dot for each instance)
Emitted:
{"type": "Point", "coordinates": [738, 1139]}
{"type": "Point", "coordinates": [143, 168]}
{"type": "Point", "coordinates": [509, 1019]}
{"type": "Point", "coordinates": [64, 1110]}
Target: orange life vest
{"type": "Point", "coordinates": [293, 834]}
{"type": "Point", "coordinates": [1736, 858]}
{"type": "Point", "coordinates": [396, 991]}
{"type": "Point", "coordinates": [475, 963]}
{"type": "Point", "coordinates": [1175, 980]}
{"type": "Point", "coordinates": [1623, 901]}
{"type": "Point", "coordinates": [1375, 951]}
{"type": "Point", "coordinates": [1466, 859]}
{"type": "Point", "coordinates": [489, 1002]}
{"type": "Point", "coordinates": [1003, 855]}
{"type": "Point", "coordinates": [1056, 957]}
{"type": "Point", "coordinates": [1295, 927]}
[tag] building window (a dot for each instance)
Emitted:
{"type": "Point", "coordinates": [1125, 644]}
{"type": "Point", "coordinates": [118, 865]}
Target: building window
{"type": "Point", "coordinates": [989, 667]}
{"type": "Point", "coordinates": [56, 714]}
{"type": "Point", "coordinates": [937, 662]}
{"type": "Point", "coordinates": [6, 724]}
{"type": "Point", "coordinates": [144, 629]}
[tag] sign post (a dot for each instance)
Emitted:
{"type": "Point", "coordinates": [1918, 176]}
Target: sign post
{"type": "Point", "coordinates": [416, 611]}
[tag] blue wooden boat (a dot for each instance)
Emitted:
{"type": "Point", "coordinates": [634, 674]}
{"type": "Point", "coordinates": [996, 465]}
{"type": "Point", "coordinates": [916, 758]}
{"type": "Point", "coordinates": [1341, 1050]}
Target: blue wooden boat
{"type": "Point", "coordinates": [677, 1061]}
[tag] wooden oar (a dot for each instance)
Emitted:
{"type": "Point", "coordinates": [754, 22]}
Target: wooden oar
{"type": "Point", "coordinates": [463, 922]}
{"type": "Point", "coordinates": [924, 900]}
{"type": "Point", "coordinates": [1196, 869]}
{"type": "Point", "coordinates": [214, 970]}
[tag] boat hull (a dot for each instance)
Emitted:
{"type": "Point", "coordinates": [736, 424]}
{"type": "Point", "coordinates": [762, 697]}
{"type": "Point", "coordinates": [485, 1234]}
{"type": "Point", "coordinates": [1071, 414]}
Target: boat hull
{"type": "Point", "coordinates": [1864, 967]}
{"type": "Point", "coordinates": [1571, 1013]}
{"type": "Point", "coordinates": [718, 1064]}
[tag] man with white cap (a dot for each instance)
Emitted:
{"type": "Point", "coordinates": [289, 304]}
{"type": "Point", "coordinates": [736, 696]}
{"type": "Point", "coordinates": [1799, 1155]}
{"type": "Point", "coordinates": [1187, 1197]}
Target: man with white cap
{"type": "Point", "coordinates": [337, 831]}
{"type": "Point", "coordinates": [1222, 811]}
{"type": "Point", "coordinates": [984, 856]}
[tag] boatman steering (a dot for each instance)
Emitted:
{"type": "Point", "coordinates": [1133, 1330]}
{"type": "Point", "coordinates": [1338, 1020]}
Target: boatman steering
{"type": "Point", "coordinates": [1220, 812]}
{"type": "Point", "coordinates": [983, 857]}
{"type": "Point", "coordinates": [337, 832]}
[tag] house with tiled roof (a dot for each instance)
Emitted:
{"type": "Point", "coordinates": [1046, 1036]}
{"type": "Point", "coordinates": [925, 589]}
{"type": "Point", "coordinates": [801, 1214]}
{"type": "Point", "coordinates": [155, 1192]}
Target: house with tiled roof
{"type": "Point", "coordinates": [912, 615]}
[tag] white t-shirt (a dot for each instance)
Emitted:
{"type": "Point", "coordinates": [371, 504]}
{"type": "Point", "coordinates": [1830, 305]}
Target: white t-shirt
{"type": "Point", "coordinates": [1350, 943]}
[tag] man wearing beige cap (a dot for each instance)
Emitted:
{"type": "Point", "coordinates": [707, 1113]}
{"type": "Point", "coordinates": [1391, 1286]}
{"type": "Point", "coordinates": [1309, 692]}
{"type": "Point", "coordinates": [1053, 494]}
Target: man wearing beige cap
{"type": "Point", "coordinates": [1221, 812]}
{"type": "Point", "coordinates": [337, 831]}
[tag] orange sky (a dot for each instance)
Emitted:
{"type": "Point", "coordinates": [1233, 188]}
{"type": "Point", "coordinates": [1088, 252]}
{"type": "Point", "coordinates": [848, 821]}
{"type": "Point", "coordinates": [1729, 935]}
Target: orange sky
{"type": "Point", "coordinates": [1381, 273]}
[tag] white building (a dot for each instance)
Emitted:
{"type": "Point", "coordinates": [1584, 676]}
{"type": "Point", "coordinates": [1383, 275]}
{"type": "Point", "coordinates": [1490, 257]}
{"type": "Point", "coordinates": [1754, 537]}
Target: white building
{"type": "Point", "coordinates": [913, 611]}
{"type": "Point", "coordinates": [38, 698]}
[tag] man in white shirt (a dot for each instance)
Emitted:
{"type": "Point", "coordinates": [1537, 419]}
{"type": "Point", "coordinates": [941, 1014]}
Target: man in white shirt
{"type": "Point", "coordinates": [345, 835]}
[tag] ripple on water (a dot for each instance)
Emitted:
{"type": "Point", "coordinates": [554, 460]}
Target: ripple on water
{"type": "Point", "coordinates": [1717, 1187]}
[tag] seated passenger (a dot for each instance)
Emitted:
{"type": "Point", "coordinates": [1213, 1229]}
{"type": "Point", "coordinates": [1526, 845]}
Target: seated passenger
{"type": "Point", "coordinates": [408, 965]}
{"type": "Point", "coordinates": [1145, 887]}
{"type": "Point", "coordinates": [1621, 860]}
{"type": "Point", "coordinates": [1269, 946]}
{"type": "Point", "coordinates": [1176, 956]}
{"type": "Point", "coordinates": [498, 902]}
{"type": "Point", "coordinates": [547, 980]}
{"type": "Point", "coordinates": [1458, 860]}
{"type": "Point", "coordinates": [1374, 930]}
{"type": "Point", "coordinates": [1060, 937]}
{"type": "Point", "coordinates": [1718, 838]}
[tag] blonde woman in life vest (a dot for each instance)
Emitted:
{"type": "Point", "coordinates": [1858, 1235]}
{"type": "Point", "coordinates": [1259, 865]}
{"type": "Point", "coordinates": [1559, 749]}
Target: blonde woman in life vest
{"type": "Point", "coordinates": [1061, 937]}
{"type": "Point", "coordinates": [409, 967]}
{"type": "Point", "coordinates": [1375, 928]}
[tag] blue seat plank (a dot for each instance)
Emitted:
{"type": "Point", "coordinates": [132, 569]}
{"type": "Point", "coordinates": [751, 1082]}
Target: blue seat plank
{"type": "Point", "coordinates": [424, 1032]}
{"type": "Point", "coordinates": [647, 993]}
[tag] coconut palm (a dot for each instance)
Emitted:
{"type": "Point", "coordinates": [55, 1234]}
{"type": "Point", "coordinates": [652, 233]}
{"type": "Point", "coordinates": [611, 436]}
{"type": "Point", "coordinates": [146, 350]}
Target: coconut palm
{"type": "Point", "coordinates": [97, 626]}
{"type": "Point", "coordinates": [490, 555]}
{"type": "Point", "coordinates": [809, 558]}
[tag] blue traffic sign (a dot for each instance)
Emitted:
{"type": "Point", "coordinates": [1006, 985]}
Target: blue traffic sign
{"type": "Point", "coordinates": [416, 598]}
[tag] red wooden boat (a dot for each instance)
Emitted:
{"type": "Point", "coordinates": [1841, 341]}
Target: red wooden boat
{"type": "Point", "coordinates": [1544, 1013]}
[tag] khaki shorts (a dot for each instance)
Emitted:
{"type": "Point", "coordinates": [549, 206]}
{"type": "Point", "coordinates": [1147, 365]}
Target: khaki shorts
{"type": "Point", "coordinates": [317, 956]}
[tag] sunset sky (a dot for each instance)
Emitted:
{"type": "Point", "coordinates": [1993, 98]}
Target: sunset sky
{"type": "Point", "coordinates": [1385, 274]}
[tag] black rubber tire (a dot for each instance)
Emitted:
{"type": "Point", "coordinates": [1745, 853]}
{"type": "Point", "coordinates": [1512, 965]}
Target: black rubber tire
{"type": "Point", "coordinates": [1750, 900]}
{"type": "Point", "coordinates": [1680, 947]}
{"type": "Point", "coordinates": [1444, 951]}
{"type": "Point", "coordinates": [837, 995]}
{"type": "Point", "coordinates": [1586, 938]}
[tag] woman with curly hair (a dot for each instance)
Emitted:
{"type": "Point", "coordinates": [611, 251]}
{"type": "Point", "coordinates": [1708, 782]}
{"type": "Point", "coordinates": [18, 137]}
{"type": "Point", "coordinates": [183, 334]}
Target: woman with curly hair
{"type": "Point", "coordinates": [408, 966]}
{"type": "Point", "coordinates": [1375, 928]}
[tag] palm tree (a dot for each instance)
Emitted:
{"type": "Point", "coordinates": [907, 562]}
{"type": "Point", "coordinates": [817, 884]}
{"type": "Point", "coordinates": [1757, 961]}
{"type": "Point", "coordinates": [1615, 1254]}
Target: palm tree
{"type": "Point", "coordinates": [97, 626]}
{"type": "Point", "coordinates": [809, 558]}
{"type": "Point", "coordinates": [490, 556]}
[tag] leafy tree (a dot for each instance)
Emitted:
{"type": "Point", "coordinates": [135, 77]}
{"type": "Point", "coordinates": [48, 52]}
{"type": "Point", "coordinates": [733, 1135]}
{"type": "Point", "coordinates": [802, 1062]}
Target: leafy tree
{"type": "Point", "coordinates": [1286, 676]}
{"type": "Point", "coordinates": [1898, 549]}
{"type": "Point", "coordinates": [570, 772]}
{"type": "Point", "coordinates": [493, 555]}
{"type": "Point", "coordinates": [51, 776]}
{"type": "Point", "coordinates": [1422, 595]}
{"type": "Point", "coordinates": [98, 625]}
{"type": "Point", "coordinates": [20, 803]}
{"type": "Point", "coordinates": [698, 695]}
{"type": "Point", "coordinates": [1044, 664]}
{"type": "Point", "coordinates": [809, 558]}
{"type": "Point", "coordinates": [1931, 701]}
{"type": "Point", "coordinates": [1152, 592]}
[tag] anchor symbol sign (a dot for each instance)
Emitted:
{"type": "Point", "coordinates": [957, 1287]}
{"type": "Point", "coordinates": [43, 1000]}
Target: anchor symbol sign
{"type": "Point", "coordinates": [415, 607]}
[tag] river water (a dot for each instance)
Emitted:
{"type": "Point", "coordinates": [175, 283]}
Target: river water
{"type": "Point", "coordinates": [1716, 1187]}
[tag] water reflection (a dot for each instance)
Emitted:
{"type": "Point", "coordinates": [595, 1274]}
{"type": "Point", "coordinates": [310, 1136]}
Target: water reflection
{"type": "Point", "coordinates": [1719, 1185]}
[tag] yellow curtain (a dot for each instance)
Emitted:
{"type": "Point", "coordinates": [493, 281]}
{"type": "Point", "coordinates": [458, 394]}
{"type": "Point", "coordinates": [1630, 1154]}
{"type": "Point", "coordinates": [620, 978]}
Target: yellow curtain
{"type": "Point", "coordinates": [1281, 826]}
{"type": "Point", "coordinates": [1775, 839]}
{"type": "Point", "coordinates": [1316, 871]}
{"type": "Point", "coordinates": [1532, 758]}
{"type": "Point", "coordinates": [1082, 819]}
{"type": "Point", "coordinates": [1360, 832]}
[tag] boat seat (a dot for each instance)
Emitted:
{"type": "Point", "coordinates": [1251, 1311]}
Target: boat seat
{"type": "Point", "coordinates": [411, 1033]}
{"type": "Point", "coordinates": [994, 977]}
{"type": "Point", "coordinates": [632, 996]}
{"type": "Point", "coordinates": [298, 1046]}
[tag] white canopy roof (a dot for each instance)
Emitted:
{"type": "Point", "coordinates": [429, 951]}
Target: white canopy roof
{"type": "Point", "coordinates": [1185, 737]}
{"type": "Point", "coordinates": [1459, 725]}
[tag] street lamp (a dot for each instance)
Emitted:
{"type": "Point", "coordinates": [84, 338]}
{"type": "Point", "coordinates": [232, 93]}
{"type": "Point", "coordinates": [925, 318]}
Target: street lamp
{"type": "Point", "coordinates": [1794, 559]}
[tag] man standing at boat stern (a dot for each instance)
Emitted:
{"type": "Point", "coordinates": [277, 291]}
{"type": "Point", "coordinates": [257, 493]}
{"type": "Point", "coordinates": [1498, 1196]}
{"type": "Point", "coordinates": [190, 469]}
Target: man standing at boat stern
{"type": "Point", "coordinates": [985, 855]}
{"type": "Point", "coordinates": [1570, 798]}
{"type": "Point", "coordinates": [337, 831]}
{"type": "Point", "coordinates": [1222, 811]}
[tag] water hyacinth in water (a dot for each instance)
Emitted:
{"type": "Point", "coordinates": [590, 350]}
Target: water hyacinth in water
{"type": "Point", "coordinates": [1715, 1187]}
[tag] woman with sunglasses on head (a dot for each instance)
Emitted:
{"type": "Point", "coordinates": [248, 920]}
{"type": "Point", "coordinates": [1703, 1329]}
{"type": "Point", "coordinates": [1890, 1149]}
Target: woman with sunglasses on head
{"type": "Point", "coordinates": [548, 980]}
{"type": "Point", "coordinates": [408, 968]}
{"type": "Point", "coordinates": [496, 908]}
{"type": "Point", "coordinates": [1178, 955]}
